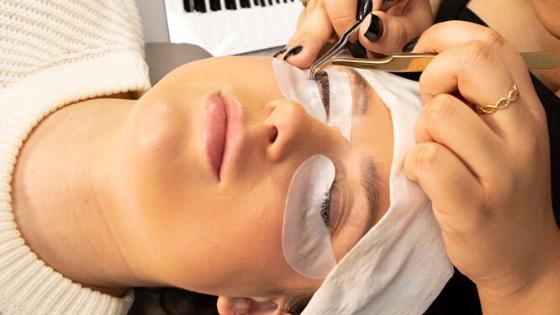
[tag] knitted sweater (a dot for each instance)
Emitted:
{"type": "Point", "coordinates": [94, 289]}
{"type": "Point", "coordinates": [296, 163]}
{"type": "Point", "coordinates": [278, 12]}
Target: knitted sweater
{"type": "Point", "coordinates": [52, 53]}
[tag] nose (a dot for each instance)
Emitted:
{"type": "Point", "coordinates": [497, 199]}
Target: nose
{"type": "Point", "coordinates": [292, 131]}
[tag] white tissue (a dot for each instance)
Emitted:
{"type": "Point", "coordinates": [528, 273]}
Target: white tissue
{"type": "Point", "coordinates": [400, 266]}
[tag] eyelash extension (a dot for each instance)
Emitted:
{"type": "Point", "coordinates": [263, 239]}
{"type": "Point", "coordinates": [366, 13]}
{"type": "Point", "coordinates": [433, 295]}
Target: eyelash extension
{"type": "Point", "coordinates": [326, 205]}
{"type": "Point", "coordinates": [324, 89]}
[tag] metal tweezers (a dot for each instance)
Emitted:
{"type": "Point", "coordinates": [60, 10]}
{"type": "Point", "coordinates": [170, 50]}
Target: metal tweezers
{"type": "Point", "coordinates": [350, 37]}
{"type": "Point", "coordinates": [404, 62]}
{"type": "Point", "coordinates": [411, 62]}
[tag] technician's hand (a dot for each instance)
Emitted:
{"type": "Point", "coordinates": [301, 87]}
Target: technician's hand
{"type": "Point", "coordinates": [488, 175]}
{"type": "Point", "coordinates": [325, 21]}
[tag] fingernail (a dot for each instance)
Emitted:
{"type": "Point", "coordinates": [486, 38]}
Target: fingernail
{"type": "Point", "coordinates": [410, 45]}
{"type": "Point", "coordinates": [293, 51]}
{"type": "Point", "coordinates": [357, 50]}
{"type": "Point", "coordinates": [375, 29]}
{"type": "Point", "coordinates": [281, 51]}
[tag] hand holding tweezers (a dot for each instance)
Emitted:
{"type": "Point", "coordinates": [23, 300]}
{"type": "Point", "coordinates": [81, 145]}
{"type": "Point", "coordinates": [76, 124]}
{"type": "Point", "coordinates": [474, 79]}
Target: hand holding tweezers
{"type": "Point", "coordinates": [350, 36]}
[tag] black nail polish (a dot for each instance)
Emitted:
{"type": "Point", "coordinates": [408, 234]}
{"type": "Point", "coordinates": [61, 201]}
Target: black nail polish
{"type": "Point", "coordinates": [375, 29]}
{"type": "Point", "coordinates": [364, 8]}
{"type": "Point", "coordinates": [293, 51]}
{"type": "Point", "coordinates": [410, 45]}
{"type": "Point", "coordinates": [281, 51]}
{"type": "Point", "coordinates": [357, 50]}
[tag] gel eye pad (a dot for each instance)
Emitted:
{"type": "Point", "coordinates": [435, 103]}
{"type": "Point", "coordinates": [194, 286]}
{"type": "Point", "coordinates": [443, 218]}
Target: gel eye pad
{"type": "Point", "coordinates": [305, 237]}
{"type": "Point", "coordinates": [306, 240]}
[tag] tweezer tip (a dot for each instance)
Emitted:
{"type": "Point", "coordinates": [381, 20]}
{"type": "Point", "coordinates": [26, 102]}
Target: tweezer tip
{"type": "Point", "coordinates": [311, 75]}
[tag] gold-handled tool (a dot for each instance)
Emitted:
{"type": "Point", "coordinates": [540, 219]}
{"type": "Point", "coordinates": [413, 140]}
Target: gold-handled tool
{"type": "Point", "coordinates": [415, 62]}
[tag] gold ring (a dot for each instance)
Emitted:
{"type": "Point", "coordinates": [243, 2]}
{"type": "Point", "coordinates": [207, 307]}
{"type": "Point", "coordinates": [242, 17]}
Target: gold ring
{"type": "Point", "coordinates": [304, 2]}
{"type": "Point", "coordinates": [502, 103]}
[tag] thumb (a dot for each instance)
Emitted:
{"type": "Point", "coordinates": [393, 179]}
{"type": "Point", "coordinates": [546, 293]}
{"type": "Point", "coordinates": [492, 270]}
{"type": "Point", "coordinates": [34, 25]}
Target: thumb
{"type": "Point", "coordinates": [386, 34]}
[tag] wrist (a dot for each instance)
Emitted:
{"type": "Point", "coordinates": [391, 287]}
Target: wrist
{"type": "Point", "coordinates": [534, 294]}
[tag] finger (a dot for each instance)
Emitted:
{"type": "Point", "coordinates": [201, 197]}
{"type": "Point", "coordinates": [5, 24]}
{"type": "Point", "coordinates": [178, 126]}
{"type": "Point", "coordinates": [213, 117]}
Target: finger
{"type": "Point", "coordinates": [447, 182]}
{"type": "Point", "coordinates": [385, 34]}
{"type": "Point", "coordinates": [301, 18]}
{"type": "Point", "coordinates": [443, 36]}
{"type": "Point", "coordinates": [479, 75]}
{"type": "Point", "coordinates": [280, 53]}
{"type": "Point", "coordinates": [447, 121]}
{"type": "Point", "coordinates": [342, 14]}
{"type": "Point", "coordinates": [314, 32]}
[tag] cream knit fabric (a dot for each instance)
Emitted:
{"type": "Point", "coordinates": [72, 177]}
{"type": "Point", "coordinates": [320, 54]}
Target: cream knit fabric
{"type": "Point", "coordinates": [52, 53]}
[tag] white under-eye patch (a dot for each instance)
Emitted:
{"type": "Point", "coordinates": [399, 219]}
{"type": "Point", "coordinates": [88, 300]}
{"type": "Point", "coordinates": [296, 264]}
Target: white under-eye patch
{"type": "Point", "coordinates": [305, 238]}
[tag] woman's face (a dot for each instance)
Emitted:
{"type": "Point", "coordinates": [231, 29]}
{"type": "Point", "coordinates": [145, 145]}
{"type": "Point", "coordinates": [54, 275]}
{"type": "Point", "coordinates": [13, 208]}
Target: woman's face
{"type": "Point", "coordinates": [210, 153]}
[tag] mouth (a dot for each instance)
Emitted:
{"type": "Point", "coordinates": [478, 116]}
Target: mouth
{"type": "Point", "coordinates": [221, 132]}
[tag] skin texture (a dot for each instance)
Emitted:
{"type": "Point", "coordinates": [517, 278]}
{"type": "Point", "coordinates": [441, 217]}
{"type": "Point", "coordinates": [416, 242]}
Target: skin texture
{"type": "Point", "coordinates": [488, 176]}
{"type": "Point", "coordinates": [324, 21]}
{"type": "Point", "coordinates": [548, 12]}
{"type": "Point", "coordinates": [143, 206]}
{"type": "Point", "coordinates": [532, 30]}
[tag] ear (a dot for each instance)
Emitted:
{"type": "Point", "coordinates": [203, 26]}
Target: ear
{"type": "Point", "coordinates": [248, 306]}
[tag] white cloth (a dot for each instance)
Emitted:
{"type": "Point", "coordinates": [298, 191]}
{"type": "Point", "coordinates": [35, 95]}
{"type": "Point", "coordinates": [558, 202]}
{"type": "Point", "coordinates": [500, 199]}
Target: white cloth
{"type": "Point", "coordinates": [53, 53]}
{"type": "Point", "coordinates": [400, 266]}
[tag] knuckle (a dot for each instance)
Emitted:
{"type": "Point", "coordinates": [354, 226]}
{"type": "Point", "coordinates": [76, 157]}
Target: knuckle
{"type": "Point", "coordinates": [435, 29]}
{"type": "Point", "coordinates": [440, 111]}
{"type": "Point", "coordinates": [426, 157]}
{"type": "Point", "coordinates": [399, 36]}
{"type": "Point", "coordinates": [476, 54]}
{"type": "Point", "coordinates": [492, 38]}
{"type": "Point", "coordinates": [341, 21]}
{"type": "Point", "coordinates": [313, 37]}
{"type": "Point", "coordinates": [311, 5]}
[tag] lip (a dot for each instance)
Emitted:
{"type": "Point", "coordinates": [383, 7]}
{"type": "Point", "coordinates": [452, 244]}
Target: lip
{"type": "Point", "coordinates": [222, 131]}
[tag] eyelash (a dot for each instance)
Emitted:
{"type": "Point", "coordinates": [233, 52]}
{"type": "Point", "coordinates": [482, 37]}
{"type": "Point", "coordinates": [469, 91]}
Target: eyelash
{"type": "Point", "coordinates": [326, 205]}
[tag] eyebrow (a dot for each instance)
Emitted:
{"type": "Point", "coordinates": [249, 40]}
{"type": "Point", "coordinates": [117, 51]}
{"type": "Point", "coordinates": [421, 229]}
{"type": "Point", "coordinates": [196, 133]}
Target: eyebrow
{"type": "Point", "coordinates": [370, 182]}
{"type": "Point", "coordinates": [360, 93]}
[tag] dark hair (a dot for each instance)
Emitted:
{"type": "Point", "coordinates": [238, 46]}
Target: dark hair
{"type": "Point", "coordinates": [174, 301]}
{"type": "Point", "coordinates": [295, 304]}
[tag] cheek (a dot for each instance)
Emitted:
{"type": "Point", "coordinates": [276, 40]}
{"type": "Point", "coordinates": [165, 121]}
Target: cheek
{"type": "Point", "coordinates": [548, 13]}
{"type": "Point", "coordinates": [233, 245]}
{"type": "Point", "coordinates": [353, 226]}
